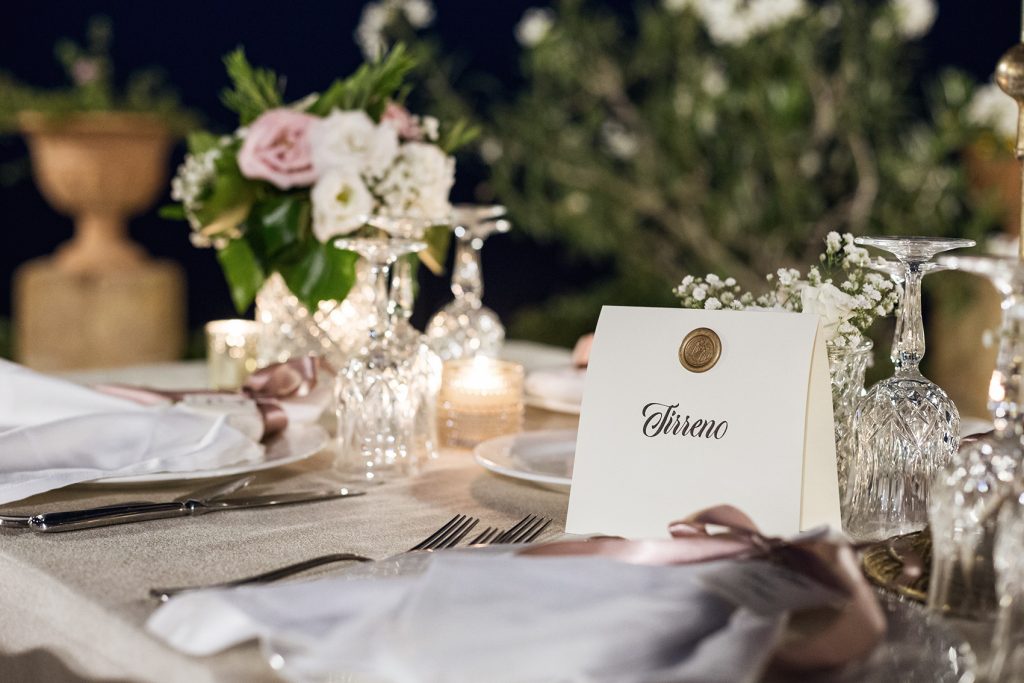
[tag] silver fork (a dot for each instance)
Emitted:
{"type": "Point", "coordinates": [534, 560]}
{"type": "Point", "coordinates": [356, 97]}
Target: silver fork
{"type": "Point", "coordinates": [526, 530]}
{"type": "Point", "coordinates": [448, 536]}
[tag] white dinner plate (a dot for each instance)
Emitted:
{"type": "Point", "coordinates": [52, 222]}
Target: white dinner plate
{"type": "Point", "coordinates": [552, 404]}
{"type": "Point", "coordinates": [543, 457]}
{"type": "Point", "coordinates": [298, 442]}
{"type": "Point", "coordinates": [559, 388]}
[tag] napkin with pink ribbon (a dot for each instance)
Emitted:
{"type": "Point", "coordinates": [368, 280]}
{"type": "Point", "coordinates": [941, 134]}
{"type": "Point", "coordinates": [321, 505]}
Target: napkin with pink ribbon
{"type": "Point", "coordinates": [54, 433]}
{"type": "Point", "coordinates": [704, 606]}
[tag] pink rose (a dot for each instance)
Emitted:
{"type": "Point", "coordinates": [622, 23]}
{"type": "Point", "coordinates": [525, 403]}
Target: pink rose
{"type": "Point", "coordinates": [404, 123]}
{"type": "Point", "coordinates": [581, 354]}
{"type": "Point", "coordinates": [276, 149]}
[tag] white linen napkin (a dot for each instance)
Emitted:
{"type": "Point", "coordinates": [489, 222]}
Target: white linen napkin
{"type": "Point", "coordinates": [559, 384]}
{"type": "Point", "coordinates": [55, 433]}
{"type": "Point", "coordinates": [483, 616]}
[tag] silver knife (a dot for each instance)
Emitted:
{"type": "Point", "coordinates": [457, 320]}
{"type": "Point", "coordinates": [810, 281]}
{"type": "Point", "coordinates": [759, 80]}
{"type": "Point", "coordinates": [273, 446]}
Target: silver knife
{"type": "Point", "coordinates": [51, 522]}
{"type": "Point", "coordinates": [206, 493]}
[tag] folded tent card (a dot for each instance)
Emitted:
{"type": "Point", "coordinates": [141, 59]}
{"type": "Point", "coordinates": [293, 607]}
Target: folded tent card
{"type": "Point", "coordinates": [686, 409]}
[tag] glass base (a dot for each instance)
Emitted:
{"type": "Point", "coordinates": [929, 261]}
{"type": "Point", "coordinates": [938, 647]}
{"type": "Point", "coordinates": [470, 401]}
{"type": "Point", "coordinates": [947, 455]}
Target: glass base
{"type": "Point", "coordinates": [464, 330]}
{"type": "Point", "coordinates": [906, 429]}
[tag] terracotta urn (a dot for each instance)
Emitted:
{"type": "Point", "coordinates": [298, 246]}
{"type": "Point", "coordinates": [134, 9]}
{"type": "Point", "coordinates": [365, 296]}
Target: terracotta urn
{"type": "Point", "coordinates": [101, 168]}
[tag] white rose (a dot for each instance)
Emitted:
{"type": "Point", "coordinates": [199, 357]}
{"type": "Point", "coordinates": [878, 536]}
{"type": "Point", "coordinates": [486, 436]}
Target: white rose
{"type": "Point", "coordinates": [418, 183]}
{"type": "Point", "coordinates": [831, 303]}
{"type": "Point", "coordinates": [341, 204]}
{"type": "Point", "coordinates": [350, 140]}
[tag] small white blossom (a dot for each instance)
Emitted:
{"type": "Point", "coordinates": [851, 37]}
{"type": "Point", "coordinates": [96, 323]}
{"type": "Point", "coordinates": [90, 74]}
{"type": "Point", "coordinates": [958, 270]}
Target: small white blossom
{"type": "Point", "coordinates": [700, 293]}
{"type": "Point", "coordinates": [419, 13]}
{"type": "Point", "coordinates": [734, 22]}
{"type": "Point", "coordinates": [712, 304]}
{"type": "Point", "coordinates": [914, 18]}
{"type": "Point", "coordinates": [619, 141]}
{"type": "Point", "coordinates": [992, 108]}
{"type": "Point", "coordinates": [418, 183]}
{"type": "Point", "coordinates": [534, 26]}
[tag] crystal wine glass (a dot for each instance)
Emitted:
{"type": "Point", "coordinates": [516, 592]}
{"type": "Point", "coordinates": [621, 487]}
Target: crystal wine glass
{"type": "Point", "coordinates": [1007, 662]}
{"type": "Point", "coordinates": [906, 428]}
{"type": "Point", "coordinates": [465, 327]}
{"type": "Point", "coordinates": [376, 398]}
{"type": "Point", "coordinates": [967, 494]}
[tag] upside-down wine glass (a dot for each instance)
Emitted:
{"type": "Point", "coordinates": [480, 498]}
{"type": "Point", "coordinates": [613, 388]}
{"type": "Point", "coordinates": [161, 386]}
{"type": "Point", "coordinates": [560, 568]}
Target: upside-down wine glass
{"type": "Point", "coordinates": [967, 494]}
{"type": "Point", "coordinates": [376, 395]}
{"type": "Point", "coordinates": [465, 327]}
{"type": "Point", "coordinates": [906, 428]}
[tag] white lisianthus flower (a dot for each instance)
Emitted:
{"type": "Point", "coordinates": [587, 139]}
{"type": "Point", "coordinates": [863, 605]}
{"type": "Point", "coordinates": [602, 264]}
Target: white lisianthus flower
{"type": "Point", "coordinates": [418, 182]}
{"type": "Point", "coordinates": [831, 303]}
{"type": "Point", "coordinates": [734, 22]}
{"type": "Point", "coordinates": [341, 203]}
{"type": "Point", "coordinates": [914, 18]}
{"type": "Point", "coordinates": [991, 107]}
{"type": "Point", "coordinates": [534, 26]}
{"type": "Point", "coordinates": [351, 140]}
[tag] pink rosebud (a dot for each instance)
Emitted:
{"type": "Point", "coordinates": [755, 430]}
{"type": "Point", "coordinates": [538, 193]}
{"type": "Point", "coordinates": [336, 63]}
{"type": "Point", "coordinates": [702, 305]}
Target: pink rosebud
{"type": "Point", "coordinates": [276, 149]}
{"type": "Point", "coordinates": [84, 71]}
{"type": "Point", "coordinates": [404, 123]}
{"type": "Point", "coordinates": [581, 354]}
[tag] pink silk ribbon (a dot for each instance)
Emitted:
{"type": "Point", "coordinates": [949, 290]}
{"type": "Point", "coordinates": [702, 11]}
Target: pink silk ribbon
{"type": "Point", "coordinates": [268, 387]}
{"type": "Point", "coordinates": [849, 633]}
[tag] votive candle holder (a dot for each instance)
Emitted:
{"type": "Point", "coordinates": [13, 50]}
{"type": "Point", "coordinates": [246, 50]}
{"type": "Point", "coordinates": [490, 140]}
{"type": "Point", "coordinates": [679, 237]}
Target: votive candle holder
{"type": "Point", "coordinates": [480, 398]}
{"type": "Point", "coordinates": [232, 352]}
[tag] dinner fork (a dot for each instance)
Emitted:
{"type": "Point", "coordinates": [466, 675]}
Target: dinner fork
{"type": "Point", "coordinates": [447, 536]}
{"type": "Point", "coordinates": [526, 530]}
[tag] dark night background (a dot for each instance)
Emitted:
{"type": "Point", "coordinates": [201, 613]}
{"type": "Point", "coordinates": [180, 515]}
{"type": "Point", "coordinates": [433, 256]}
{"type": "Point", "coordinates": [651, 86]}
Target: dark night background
{"type": "Point", "coordinates": [311, 43]}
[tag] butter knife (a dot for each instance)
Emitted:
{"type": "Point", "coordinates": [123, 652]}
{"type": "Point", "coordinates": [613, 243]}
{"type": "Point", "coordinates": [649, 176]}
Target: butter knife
{"type": "Point", "coordinates": [72, 520]}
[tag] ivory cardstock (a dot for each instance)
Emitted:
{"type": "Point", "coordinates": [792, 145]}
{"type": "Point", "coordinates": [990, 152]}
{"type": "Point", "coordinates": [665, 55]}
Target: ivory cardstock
{"type": "Point", "coordinates": [658, 441]}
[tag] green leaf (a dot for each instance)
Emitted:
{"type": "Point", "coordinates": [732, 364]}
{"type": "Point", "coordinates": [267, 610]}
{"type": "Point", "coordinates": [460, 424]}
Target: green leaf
{"type": "Point", "coordinates": [459, 135]}
{"type": "Point", "coordinates": [277, 224]}
{"type": "Point", "coordinates": [370, 87]}
{"type": "Point", "coordinates": [228, 190]}
{"type": "Point", "coordinates": [323, 272]}
{"type": "Point", "coordinates": [437, 237]}
{"type": "Point", "coordinates": [172, 212]}
{"type": "Point", "coordinates": [254, 90]}
{"type": "Point", "coordinates": [201, 141]}
{"type": "Point", "coordinates": [242, 271]}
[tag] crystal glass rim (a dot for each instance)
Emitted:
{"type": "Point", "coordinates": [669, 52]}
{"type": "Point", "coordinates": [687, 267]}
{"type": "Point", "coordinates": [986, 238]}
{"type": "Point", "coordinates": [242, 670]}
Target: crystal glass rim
{"type": "Point", "coordinates": [866, 344]}
{"type": "Point", "coordinates": [368, 247]}
{"type": "Point", "coordinates": [478, 212]}
{"type": "Point", "coordinates": [985, 265]}
{"type": "Point", "coordinates": [915, 247]}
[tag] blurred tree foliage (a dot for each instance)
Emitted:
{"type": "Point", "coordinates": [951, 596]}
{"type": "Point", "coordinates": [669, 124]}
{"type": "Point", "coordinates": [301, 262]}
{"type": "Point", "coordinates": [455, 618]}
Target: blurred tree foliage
{"type": "Point", "coordinates": [672, 141]}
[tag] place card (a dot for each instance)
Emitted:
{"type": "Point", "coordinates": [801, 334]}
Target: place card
{"type": "Point", "coordinates": [685, 409]}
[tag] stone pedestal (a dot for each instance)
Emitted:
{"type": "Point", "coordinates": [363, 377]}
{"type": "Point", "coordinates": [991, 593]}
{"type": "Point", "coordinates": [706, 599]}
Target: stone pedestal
{"type": "Point", "coordinates": [67, 321]}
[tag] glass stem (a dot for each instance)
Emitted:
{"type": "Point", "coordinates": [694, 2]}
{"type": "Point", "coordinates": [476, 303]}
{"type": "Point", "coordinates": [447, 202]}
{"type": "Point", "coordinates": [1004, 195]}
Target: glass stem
{"type": "Point", "coordinates": [380, 274]}
{"type": "Point", "coordinates": [1004, 396]}
{"type": "Point", "coordinates": [401, 286]}
{"type": "Point", "coordinates": [908, 345]}
{"type": "Point", "coordinates": [466, 280]}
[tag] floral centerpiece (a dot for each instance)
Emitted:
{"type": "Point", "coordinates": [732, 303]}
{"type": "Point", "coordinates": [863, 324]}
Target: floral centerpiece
{"type": "Point", "coordinates": [272, 196]}
{"type": "Point", "coordinates": [841, 288]}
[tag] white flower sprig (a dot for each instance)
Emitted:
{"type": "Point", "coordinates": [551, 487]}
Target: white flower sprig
{"type": "Point", "coordinates": [842, 289]}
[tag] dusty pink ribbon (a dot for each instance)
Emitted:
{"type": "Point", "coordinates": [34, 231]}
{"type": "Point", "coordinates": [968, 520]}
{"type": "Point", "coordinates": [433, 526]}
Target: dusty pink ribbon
{"type": "Point", "coordinates": [295, 378]}
{"type": "Point", "coordinates": [846, 634]}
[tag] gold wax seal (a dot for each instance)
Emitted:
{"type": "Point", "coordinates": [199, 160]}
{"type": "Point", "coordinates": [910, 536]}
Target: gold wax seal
{"type": "Point", "coordinates": [700, 350]}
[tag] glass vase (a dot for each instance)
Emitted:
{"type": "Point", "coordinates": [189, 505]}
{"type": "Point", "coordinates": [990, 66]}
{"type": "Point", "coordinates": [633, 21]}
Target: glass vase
{"type": "Point", "coordinates": [847, 366]}
{"type": "Point", "coordinates": [289, 329]}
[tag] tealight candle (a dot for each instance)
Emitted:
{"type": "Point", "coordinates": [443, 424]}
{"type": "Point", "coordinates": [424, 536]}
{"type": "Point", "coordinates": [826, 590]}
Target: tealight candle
{"type": "Point", "coordinates": [232, 351]}
{"type": "Point", "coordinates": [480, 398]}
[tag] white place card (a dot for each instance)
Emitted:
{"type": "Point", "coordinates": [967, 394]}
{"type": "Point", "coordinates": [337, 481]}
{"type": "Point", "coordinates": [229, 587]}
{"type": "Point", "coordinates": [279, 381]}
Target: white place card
{"type": "Point", "coordinates": [658, 441]}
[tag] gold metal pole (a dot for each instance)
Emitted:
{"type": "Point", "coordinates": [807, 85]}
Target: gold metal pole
{"type": "Point", "coordinates": [1010, 77]}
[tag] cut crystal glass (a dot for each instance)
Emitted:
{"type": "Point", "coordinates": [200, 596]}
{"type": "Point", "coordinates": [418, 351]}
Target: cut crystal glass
{"type": "Point", "coordinates": [967, 494]}
{"type": "Point", "coordinates": [465, 327]}
{"type": "Point", "coordinates": [906, 428]}
{"type": "Point", "coordinates": [377, 391]}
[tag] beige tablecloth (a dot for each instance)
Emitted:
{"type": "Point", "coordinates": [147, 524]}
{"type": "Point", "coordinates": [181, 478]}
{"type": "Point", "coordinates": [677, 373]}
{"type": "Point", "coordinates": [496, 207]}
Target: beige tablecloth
{"type": "Point", "coordinates": [72, 605]}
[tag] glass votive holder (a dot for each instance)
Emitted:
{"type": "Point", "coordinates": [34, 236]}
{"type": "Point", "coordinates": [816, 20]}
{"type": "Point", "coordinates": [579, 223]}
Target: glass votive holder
{"type": "Point", "coordinates": [232, 352]}
{"type": "Point", "coordinates": [480, 398]}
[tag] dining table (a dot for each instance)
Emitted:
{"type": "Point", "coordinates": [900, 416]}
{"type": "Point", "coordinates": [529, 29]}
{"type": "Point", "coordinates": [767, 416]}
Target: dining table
{"type": "Point", "coordinates": [73, 605]}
